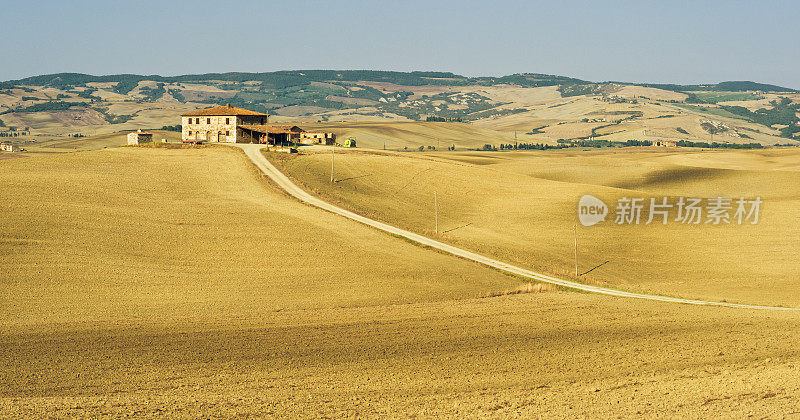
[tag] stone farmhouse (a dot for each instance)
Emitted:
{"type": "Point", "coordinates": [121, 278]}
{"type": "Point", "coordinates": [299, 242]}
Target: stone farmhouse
{"type": "Point", "coordinates": [224, 124]}
{"type": "Point", "coordinates": [665, 143]}
{"type": "Point", "coordinates": [229, 124]}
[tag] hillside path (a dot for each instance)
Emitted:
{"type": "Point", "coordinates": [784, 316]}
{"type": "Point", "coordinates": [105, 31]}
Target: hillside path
{"type": "Point", "coordinates": [253, 151]}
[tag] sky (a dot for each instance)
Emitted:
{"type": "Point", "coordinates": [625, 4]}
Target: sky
{"type": "Point", "coordinates": [634, 41]}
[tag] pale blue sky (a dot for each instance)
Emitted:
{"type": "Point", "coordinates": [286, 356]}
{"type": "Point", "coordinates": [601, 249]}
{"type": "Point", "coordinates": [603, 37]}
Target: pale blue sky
{"type": "Point", "coordinates": [636, 41]}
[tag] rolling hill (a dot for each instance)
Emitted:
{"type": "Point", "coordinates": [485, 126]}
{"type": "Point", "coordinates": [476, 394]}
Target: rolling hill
{"type": "Point", "coordinates": [142, 282]}
{"type": "Point", "coordinates": [542, 108]}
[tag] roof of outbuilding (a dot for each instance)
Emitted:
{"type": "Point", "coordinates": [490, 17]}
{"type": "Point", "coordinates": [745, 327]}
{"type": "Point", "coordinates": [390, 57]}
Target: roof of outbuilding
{"type": "Point", "coordinates": [287, 127]}
{"type": "Point", "coordinates": [272, 129]}
{"type": "Point", "coordinates": [226, 110]}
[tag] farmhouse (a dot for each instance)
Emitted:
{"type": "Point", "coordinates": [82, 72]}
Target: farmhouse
{"type": "Point", "coordinates": [220, 124]}
{"type": "Point", "coordinates": [139, 137]}
{"type": "Point", "coordinates": [229, 124]}
{"type": "Point", "coordinates": [9, 147]}
{"type": "Point", "coordinates": [666, 143]}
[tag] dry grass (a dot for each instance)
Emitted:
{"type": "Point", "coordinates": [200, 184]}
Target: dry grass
{"type": "Point", "coordinates": [525, 288]}
{"type": "Point", "coordinates": [528, 355]}
{"type": "Point", "coordinates": [397, 135]}
{"type": "Point", "coordinates": [177, 283]}
{"type": "Point", "coordinates": [161, 234]}
{"type": "Point", "coordinates": [521, 207]}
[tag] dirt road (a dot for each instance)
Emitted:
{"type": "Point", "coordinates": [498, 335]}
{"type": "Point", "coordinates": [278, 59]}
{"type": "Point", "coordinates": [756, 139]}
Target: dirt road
{"type": "Point", "coordinates": [253, 151]}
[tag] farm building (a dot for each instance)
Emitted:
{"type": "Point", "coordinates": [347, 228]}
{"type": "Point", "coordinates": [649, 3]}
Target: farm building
{"type": "Point", "coordinates": [317, 137]}
{"type": "Point", "coordinates": [222, 124]}
{"type": "Point", "coordinates": [271, 134]}
{"type": "Point", "coordinates": [139, 137]}
{"type": "Point", "coordinates": [665, 143]}
{"type": "Point", "coordinates": [229, 124]}
{"type": "Point", "coordinates": [9, 147]}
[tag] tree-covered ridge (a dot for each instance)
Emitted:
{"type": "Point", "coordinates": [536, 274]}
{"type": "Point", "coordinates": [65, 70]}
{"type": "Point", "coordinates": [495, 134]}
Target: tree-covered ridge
{"type": "Point", "coordinates": [286, 78]}
{"type": "Point", "coordinates": [282, 79]}
{"type": "Point", "coordinates": [733, 86]}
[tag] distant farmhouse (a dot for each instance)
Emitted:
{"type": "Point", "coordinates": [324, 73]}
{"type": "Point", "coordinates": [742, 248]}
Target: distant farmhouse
{"type": "Point", "coordinates": [229, 124]}
{"type": "Point", "coordinates": [666, 143]}
{"type": "Point", "coordinates": [9, 147]}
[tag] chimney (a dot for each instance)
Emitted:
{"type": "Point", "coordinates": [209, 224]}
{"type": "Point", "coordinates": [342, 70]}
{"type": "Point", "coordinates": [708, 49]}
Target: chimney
{"type": "Point", "coordinates": [228, 105]}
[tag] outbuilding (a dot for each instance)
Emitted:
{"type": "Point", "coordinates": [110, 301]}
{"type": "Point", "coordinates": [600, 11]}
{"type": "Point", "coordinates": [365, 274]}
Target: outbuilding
{"type": "Point", "coordinates": [317, 137]}
{"type": "Point", "coordinates": [139, 137]}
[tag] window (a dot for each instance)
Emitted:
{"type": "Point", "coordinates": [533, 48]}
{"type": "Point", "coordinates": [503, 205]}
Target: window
{"type": "Point", "coordinates": [197, 120]}
{"type": "Point", "coordinates": [190, 134]}
{"type": "Point", "coordinates": [227, 121]}
{"type": "Point", "coordinates": [227, 133]}
{"type": "Point", "coordinates": [208, 120]}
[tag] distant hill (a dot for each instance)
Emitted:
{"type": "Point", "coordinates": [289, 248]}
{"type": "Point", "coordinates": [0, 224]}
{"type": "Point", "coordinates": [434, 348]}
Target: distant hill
{"type": "Point", "coordinates": [279, 79]}
{"type": "Point", "coordinates": [735, 86]}
{"type": "Point", "coordinates": [543, 107]}
{"type": "Point", "coordinates": [282, 79]}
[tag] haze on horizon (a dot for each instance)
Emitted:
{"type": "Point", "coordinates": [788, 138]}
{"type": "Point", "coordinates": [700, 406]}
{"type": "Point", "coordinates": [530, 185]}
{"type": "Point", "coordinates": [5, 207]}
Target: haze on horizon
{"type": "Point", "coordinates": [656, 42]}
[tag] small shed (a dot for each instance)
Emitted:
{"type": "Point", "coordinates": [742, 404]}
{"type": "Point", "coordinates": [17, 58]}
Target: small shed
{"type": "Point", "coordinates": [9, 147]}
{"type": "Point", "coordinates": [139, 136]}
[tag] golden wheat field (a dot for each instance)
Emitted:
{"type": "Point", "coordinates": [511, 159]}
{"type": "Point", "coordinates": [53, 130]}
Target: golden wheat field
{"type": "Point", "coordinates": [411, 135]}
{"type": "Point", "coordinates": [521, 207]}
{"type": "Point", "coordinates": [159, 282]}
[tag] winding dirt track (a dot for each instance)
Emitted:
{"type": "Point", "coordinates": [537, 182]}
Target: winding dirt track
{"type": "Point", "coordinates": [253, 151]}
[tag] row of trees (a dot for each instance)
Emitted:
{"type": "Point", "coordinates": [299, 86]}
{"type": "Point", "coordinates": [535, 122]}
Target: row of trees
{"type": "Point", "coordinates": [715, 145]}
{"type": "Point", "coordinates": [431, 148]}
{"type": "Point", "coordinates": [12, 134]}
{"type": "Point", "coordinates": [443, 119]}
{"type": "Point", "coordinates": [528, 146]}
{"type": "Point", "coordinates": [605, 143]}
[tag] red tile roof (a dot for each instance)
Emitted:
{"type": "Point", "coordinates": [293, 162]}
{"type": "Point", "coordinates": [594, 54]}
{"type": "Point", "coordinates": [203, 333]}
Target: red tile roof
{"type": "Point", "coordinates": [224, 111]}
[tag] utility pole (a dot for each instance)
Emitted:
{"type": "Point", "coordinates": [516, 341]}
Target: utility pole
{"type": "Point", "coordinates": [576, 249]}
{"type": "Point", "coordinates": [436, 210]}
{"type": "Point", "coordinates": [333, 148]}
